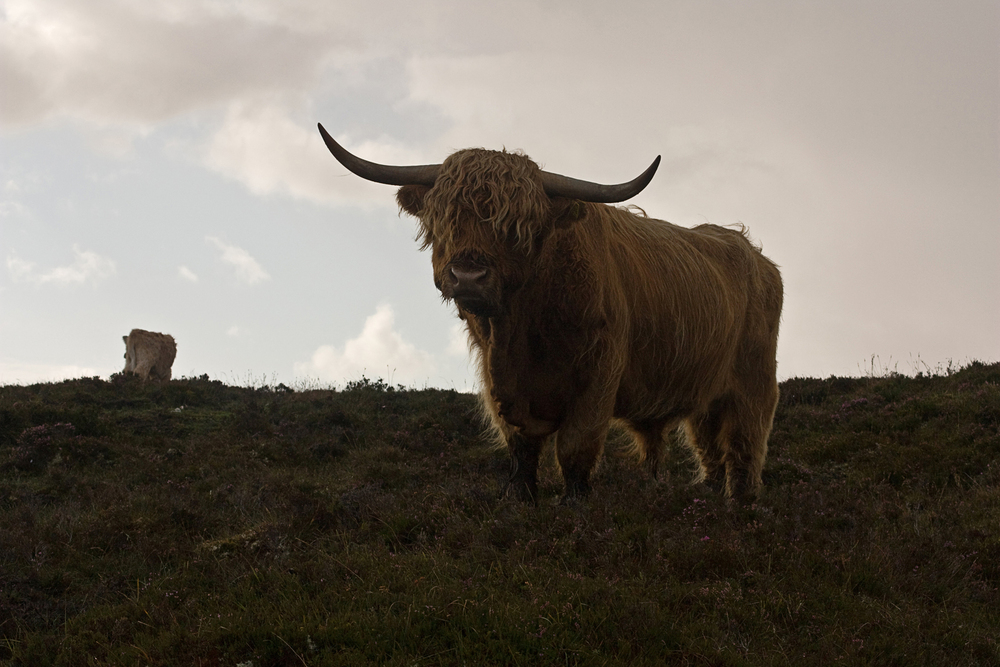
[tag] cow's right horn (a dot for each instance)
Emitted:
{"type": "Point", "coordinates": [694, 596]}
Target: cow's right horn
{"type": "Point", "coordinates": [557, 185]}
{"type": "Point", "coordinates": [424, 174]}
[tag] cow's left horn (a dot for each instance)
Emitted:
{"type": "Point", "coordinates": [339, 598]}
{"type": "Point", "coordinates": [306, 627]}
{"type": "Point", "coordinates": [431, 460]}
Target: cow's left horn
{"type": "Point", "coordinates": [557, 185]}
{"type": "Point", "coordinates": [424, 174]}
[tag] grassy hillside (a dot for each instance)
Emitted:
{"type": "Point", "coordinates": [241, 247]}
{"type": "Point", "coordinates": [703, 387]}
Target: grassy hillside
{"type": "Point", "coordinates": [199, 524]}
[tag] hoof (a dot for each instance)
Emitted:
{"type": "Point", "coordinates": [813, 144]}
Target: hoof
{"type": "Point", "coordinates": [520, 490]}
{"type": "Point", "coordinates": [576, 490]}
{"type": "Point", "coordinates": [706, 487]}
{"type": "Point", "coordinates": [742, 491]}
{"type": "Point", "coordinates": [571, 501]}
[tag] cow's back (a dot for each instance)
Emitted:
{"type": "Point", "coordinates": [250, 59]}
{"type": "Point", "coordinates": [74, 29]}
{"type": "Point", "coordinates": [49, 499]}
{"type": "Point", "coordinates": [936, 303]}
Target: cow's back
{"type": "Point", "coordinates": [682, 305]}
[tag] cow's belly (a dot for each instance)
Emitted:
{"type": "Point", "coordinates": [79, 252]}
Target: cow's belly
{"type": "Point", "coordinates": [665, 393]}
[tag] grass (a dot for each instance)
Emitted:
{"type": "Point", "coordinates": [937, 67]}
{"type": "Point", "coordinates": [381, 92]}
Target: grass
{"type": "Point", "coordinates": [195, 523]}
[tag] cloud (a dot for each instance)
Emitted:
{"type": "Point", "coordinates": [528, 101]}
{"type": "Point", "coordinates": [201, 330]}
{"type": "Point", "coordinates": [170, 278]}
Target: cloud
{"type": "Point", "coordinates": [109, 60]}
{"type": "Point", "coordinates": [458, 341]}
{"type": "Point", "coordinates": [187, 274]}
{"type": "Point", "coordinates": [379, 351]}
{"type": "Point", "coordinates": [262, 146]}
{"type": "Point", "coordinates": [248, 270]}
{"type": "Point", "coordinates": [233, 331]}
{"type": "Point", "coordinates": [87, 267]}
{"type": "Point", "coordinates": [19, 269]}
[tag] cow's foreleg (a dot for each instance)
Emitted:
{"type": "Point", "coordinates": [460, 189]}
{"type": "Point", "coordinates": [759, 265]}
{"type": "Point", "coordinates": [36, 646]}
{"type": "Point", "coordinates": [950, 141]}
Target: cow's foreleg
{"type": "Point", "coordinates": [523, 482]}
{"type": "Point", "coordinates": [580, 441]}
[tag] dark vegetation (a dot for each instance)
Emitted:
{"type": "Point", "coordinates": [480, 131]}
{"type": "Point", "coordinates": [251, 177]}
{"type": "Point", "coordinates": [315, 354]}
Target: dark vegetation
{"type": "Point", "coordinates": [194, 523]}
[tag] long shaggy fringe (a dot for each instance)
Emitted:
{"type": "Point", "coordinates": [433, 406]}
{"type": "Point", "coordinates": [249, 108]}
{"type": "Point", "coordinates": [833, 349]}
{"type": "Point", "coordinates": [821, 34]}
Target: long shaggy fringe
{"type": "Point", "coordinates": [477, 186]}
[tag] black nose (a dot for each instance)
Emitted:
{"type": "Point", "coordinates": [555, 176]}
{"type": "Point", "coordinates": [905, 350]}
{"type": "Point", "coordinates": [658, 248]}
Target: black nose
{"type": "Point", "coordinates": [467, 278]}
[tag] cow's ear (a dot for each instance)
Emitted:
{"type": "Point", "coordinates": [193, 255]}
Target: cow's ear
{"type": "Point", "coordinates": [125, 339]}
{"type": "Point", "coordinates": [411, 198]}
{"type": "Point", "coordinates": [567, 211]}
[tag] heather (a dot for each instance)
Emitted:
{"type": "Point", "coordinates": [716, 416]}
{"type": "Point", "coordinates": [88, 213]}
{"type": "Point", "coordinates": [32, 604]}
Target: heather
{"type": "Point", "coordinates": [195, 523]}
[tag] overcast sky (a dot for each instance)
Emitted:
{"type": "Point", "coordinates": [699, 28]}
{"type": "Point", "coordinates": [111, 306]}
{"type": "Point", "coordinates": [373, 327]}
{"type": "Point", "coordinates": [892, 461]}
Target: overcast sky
{"type": "Point", "coordinates": [160, 169]}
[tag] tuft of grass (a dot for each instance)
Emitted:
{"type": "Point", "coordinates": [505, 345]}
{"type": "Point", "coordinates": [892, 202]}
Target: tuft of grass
{"type": "Point", "coordinates": [198, 523]}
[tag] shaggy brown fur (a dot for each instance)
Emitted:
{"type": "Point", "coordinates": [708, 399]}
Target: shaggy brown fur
{"type": "Point", "coordinates": [583, 313]}
{"type": "Point", "coordinates": [149, 354]}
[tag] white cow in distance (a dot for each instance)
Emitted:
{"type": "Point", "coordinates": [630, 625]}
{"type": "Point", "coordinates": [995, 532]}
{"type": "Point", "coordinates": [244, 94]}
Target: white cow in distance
{"type": "Point", "coordinates": [149, 354]}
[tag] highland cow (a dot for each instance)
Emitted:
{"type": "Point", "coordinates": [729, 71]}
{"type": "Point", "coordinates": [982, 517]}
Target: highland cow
{"type": "Point", "coordinates": [581, 314]}
{"type": "Point", "coordinates": [149, 355]}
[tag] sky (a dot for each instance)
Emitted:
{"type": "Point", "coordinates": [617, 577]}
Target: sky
{"type": "Point", "coordinates": [160, 169]}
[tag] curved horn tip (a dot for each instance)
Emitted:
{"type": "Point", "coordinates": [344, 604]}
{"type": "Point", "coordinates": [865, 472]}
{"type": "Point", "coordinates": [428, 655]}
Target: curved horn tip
{"type": "Point", "coordinates": [653, 166]}
{"type": "Point", "coordinates": [330, 142]}
{"type": "Point", "coordinates": [380, 173]}
{"type": "Point", "coordinates": [651, 169]}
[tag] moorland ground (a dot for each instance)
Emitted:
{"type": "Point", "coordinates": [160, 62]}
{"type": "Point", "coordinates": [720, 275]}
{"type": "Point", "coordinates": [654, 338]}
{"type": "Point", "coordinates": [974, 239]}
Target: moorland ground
{"type": "Point", "coordinates": [194, 523]}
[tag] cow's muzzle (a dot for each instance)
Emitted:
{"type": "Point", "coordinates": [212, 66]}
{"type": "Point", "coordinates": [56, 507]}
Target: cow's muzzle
{"type": "Point", "coordinates": [470, 287]}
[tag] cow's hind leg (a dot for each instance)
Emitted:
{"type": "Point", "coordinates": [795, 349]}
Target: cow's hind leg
{"type": "Point", "coordinates": [705, 435]}
{"type": "Point", "coordinates": [649, 442]}
{"type": "Point", "coordinates": [749, 422]}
